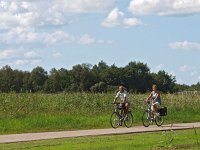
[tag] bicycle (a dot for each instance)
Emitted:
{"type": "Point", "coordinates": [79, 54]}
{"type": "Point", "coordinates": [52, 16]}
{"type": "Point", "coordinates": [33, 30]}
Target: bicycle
{"type": "Point", "coordinates": [118, 117]}
{"type": "Point", "coordinates": [149, 116]}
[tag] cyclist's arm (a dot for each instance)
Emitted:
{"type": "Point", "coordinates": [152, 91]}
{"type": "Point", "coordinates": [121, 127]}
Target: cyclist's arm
{"type": "Point", "coordinates": [149, 97]}
{"type": "Point", "coordinates": [116, 97]}
{"type": "Point", "coordinates": [114, 101]}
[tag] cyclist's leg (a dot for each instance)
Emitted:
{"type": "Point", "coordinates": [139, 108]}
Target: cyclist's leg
{"type": "Point", "coordinates": [121, 110]}
{"type": "Point", "coordinates": [156, 106]}
{"type": "Point", "coordinates": [153, 111]}
{"type": "Point", "coordinates": [126, 107]}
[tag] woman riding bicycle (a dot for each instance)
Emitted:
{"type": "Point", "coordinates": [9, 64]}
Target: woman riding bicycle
{"type": "Point", "coordinates": [156, 100]}
{"type": "Point", "coordinates": [123, 96]}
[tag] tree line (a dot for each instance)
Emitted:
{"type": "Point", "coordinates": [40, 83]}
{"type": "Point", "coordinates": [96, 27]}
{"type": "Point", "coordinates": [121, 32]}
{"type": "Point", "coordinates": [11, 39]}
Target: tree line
{"type": "Point", "coordinates": [136, 77]}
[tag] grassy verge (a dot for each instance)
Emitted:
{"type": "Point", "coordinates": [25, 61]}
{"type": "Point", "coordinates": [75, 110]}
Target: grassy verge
{"type": "Point", "coordinates": [46, 122]}
{"type": "Point", "coordinates": [71, 111]}
{"type": "Point", "coordinates": [180, 140]}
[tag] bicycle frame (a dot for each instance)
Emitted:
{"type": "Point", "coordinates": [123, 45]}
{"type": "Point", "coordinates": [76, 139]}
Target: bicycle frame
{"type": "Point", "coordinates": [120, 112]}
{"type": "Point", "coordinates": [151, 116]}
{"type": "Point", "coordinates": [149, 107]}
{"type": "Point", "coordinates": [121, 117]}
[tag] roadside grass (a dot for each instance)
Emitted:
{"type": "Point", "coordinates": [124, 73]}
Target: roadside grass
{"type": "Point", "coordinates": [25, 112]}
{"type": "Point", "coordinates": [47, 122]}
{"type": "Point", "coordinates": [166, 140]}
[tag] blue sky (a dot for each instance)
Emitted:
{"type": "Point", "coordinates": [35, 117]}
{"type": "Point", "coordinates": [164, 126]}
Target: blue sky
{"type": "Point", "coordinates": [55, 33]}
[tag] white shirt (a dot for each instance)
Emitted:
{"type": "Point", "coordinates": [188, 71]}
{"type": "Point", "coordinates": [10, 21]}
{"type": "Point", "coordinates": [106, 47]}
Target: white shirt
{"type": "Point", "coordinates": [122, 96]}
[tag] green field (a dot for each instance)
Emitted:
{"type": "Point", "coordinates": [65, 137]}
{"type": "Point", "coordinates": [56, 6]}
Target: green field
{"type": "Point", "coordinates": [168, 140]}
{"type": "Point", "coordinates": [71, 111]}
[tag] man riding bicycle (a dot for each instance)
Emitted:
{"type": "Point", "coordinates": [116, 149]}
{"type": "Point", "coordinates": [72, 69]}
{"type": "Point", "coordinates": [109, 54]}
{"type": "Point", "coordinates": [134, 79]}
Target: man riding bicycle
{"type": "Point", "coordinates": [123, 96]}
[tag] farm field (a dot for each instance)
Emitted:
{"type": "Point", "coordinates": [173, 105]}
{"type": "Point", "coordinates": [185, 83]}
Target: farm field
{"type": "Point", "coordinates": [166, 140]}
{"type": "Point", "coordinates": [38, 112]}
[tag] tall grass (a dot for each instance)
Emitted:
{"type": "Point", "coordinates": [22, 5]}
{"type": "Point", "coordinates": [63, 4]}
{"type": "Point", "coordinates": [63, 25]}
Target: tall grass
{"type": "Point", "coordinates": [25, 112]}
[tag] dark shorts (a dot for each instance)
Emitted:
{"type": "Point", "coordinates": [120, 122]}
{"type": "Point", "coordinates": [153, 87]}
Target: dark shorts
{"type": "Point", "coordinates": [124, 104]}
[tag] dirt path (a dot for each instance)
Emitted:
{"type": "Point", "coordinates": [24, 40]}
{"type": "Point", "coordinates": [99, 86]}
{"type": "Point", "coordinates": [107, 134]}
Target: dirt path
{"type": "Point", "coordinates": [67, 134]}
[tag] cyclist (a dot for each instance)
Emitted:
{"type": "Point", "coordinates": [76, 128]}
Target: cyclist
{"type": "Point", "coordinates": [156, 100]}
{"type": "Point", "coordinates": [123, 96]}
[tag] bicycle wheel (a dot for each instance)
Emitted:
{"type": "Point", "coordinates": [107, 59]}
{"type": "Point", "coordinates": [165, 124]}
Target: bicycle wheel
{"type": "Point", "coordinates": [114, 120]}
{"type": "Point", "coordinates": [159, 120]}
{"type": "Point", "coordinates": [129, 120]}
{"type": "Point", "coordinates": [146, 119]}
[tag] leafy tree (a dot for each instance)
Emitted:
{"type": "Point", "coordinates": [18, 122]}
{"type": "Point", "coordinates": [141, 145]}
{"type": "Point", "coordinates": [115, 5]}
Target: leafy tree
{"type": "Point", "coordinates": [164, 81]}
{"type": "Point", "coordinates": [180, 87]}
{"type": "Point", "coordinates": [135, 76]}
{"type": "Point", "coordinates": [99, 87]}
{"type": "Point", "coordinates": [26, 86]}
{"type": "Point", "coordinates": [65, 81]}
{"type": "Point", "coordinates": [6, 80]}
{"type": "Point", "coordinates": [52, 84]}
{"type": "Point", "coordinates": [38, 78]}
{"type": "Point", "coordinates": [195, 87]}
{"type": "Point", "coordinates": [82, 78]}
{"type": "Point", "coordinates": [17, 81]}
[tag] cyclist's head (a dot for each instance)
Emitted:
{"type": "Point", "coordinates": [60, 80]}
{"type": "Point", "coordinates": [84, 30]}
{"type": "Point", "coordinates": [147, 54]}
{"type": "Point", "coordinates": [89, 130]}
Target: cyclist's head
{"type": "Point", "coordinates": [121, 88]}
{"type": "Point", "coordinates": [154, 87]}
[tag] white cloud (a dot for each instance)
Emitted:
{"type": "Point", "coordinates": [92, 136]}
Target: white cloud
{"type": "Point", "coordinates": [117, 18]}
{"type": "Point", "coordinates": [57, 37]}
{"type": "Point", "coordinates": [7, 20]}
{"type": "Point", "coordinates": [22, 22]}
{"type": "Point", "coordinates": [30, 54]}
{"type": "Point", "coordinates": [19, 57]}
{"type": "Point", "coordinates": [47, 12]}
{"type": "Point", "coordinates": [20, 35]}
{"type": "Point", "coordinates": [20, 13]}
{"type": "Point", "coordinates": [184, 68]}
{"type": "Point", "coordinates": [83, 6]}
{"type": "Point", "coordinates": [199, 78]}
{"type": "Point", "coordinates": [185, 45]}
{"type": "Point", "coordinates": [165, 7]}
{"type": "Point", "coordinates": [21, 62]}
{"type": "Point", "coordinates": [6, 54]}
{"type": "Point", "coordinates": [86, 39]}
{"type": "Point", "coordinates": [131, 22]}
